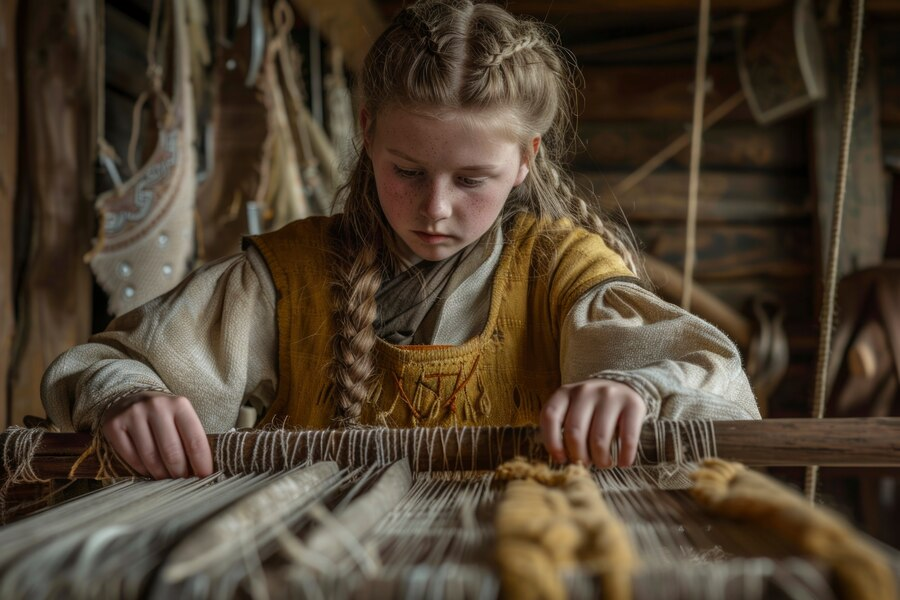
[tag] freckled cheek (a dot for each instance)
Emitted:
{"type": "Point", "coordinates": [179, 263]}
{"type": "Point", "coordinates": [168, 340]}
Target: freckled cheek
{"type": "Point", "coordinates": [395, 194]}
{"type": "Point", "coordinates": [486, 206]}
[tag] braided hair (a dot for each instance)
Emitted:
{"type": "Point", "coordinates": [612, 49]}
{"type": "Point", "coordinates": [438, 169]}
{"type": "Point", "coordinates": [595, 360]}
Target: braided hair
{"type": "Point", "coordinates": [446, 55]}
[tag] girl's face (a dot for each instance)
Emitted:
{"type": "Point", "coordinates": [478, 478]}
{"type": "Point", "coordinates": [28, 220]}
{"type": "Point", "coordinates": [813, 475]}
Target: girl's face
{"type": "Point", "coordinates": [441, 181]}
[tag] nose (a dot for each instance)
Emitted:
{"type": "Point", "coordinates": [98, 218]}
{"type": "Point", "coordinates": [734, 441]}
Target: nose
{"type": "Point", "coordinates": [436, 205]}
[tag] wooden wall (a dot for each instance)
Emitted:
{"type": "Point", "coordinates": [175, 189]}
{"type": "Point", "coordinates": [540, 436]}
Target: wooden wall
{"type": "Point", "coordinates": [889, 76]}
{"type": "Point", "coordinates": [758, 227]}
{"type": "Point", "coordinates": [755, 216]}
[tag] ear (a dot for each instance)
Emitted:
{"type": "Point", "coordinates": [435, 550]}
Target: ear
{"type": "Point", "coordinates": [528, 158]}
{"type": "Point", "coordinates": [365, 123]}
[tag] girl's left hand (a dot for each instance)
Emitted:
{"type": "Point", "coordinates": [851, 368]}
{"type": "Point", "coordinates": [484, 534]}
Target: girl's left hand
{"type": "Point", "coordinates": [580, 420]}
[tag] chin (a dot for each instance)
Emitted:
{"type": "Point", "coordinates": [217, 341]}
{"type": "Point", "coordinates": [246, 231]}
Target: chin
{"type": "Point", "coordinates": [435, 254]}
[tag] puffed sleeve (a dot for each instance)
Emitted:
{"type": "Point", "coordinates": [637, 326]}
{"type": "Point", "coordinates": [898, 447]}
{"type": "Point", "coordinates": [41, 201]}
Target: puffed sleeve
{"type": "Point", "coordinates": [212, 339]}
{"type": "Point", "coordinates": [683, 366]}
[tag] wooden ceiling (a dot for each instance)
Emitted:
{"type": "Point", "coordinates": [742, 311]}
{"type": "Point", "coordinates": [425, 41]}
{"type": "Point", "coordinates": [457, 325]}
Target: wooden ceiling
{"type": "Point", "coordinates": [354, 24]}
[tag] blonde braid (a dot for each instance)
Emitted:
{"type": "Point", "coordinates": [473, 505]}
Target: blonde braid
{"type": "Point", "coordinates": [494, 60]}
{"type": "Point", "coordinates": [357, 277]}
{"type": "Point", "coordinates": [584, 216]}
{"type": "Point", "coordinates": [592, 221]}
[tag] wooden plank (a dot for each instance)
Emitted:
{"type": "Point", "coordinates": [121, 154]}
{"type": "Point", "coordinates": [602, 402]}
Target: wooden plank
{"type": "Point", "coordinates": [793, 397]}
{"type": "Point", "coordinates": [890, 94]}
{"type": "Point", "coordinates": [741, 144]}
{"type": "Point", "coordinates": [9, 158]}
{"type": "Point", "coordinates": [126, 54]}
{"type": "Point", "coordinates": [60, 137]}
{"type": "Point", "coordinates": [668, 282]}
{"type": "Point", "coordinates": [352, 24]}
{"type": "Point", "coordinates": [892, 246]}
{"type": "Point", "coordinates": [570, 8]}
{"type": "Point", "coordinates": [733, 251]}
{"type": "Point", "coordinates": [796, 293]}
{"type": "Point", "coordinates": [890, 144]}
{"type": "Point", "coordinates": [888, 7]}
{"type": "Point", "coordinates": [767, 442]}
{"type": "Point", "coordinates": [581, 7]}
{"type": "Point", "coordinates": [655, 93]}
{"type": "Point", "coordinates": [865, 206]}
{"type": "Point", "coordinates": [725, 196]}
{"type": "Point", "coordinates": [668, 41]}
{"type": "Point", "coordinates": [888, 40]}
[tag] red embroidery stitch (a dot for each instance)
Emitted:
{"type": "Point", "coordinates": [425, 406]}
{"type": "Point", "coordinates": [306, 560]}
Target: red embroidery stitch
{"type": "Point", "coordinates": [405, 398]}
{"type": "Point", "coordinates": [451, 401]}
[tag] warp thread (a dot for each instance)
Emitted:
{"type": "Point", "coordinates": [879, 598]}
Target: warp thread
{"type": "Point", "coordinates": [18, 453]}
{"type": "Point", "coordinates": [428, 449]}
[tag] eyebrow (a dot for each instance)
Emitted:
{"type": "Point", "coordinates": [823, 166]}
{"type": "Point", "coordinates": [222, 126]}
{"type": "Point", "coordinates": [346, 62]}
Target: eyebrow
{"type": "Point", "coordinates": [403, 155]}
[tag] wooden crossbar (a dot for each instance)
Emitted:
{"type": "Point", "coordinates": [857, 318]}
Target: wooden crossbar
{"type": "Point", "coordinates": [771, 442]}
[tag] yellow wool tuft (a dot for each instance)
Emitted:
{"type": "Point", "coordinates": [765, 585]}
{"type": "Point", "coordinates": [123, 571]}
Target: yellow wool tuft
{"type": "Point", "coordinates": [731, 490]}
{"type": "Point", "coordinates": [550, 521]}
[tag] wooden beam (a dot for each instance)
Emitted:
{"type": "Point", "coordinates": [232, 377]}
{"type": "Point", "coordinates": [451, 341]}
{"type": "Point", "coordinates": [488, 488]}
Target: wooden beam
{"type": "Point", "coordinates": [352, 24]}
{"type": "Point", "coordinates": [9, 157]}
{"type": "Point", "coordinates": [59, 129]}
{"type": "Point", "coordinates": [768, 442]}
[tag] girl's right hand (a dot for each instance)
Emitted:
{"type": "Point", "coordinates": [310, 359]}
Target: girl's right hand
{"type": "Point", "coordinates": [158, 435]}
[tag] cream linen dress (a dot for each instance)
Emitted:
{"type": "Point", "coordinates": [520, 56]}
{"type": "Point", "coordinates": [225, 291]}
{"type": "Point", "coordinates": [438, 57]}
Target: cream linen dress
{"type": "Point", "coordinates": [213, 340]}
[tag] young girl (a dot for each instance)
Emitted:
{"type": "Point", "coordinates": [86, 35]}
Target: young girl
{"type": "Point", "coordinates": [465, 283]}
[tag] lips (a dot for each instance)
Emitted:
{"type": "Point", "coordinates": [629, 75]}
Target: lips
{"type": "Point", "coordinates": [431, 238]}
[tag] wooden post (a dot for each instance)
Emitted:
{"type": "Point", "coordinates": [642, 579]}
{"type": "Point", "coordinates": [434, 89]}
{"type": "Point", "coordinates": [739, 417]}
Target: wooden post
{"type": "Point", "coordinates": [59, 60]}
{"type": "Point", "coordinates": [9, 154]}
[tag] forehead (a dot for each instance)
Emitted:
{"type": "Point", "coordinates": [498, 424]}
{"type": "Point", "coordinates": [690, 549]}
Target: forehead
{"type": "Point", "coordinates": [489, 126]}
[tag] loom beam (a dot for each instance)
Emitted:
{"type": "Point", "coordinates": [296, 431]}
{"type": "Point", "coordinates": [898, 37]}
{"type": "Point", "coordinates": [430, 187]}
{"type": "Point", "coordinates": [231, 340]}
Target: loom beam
{"type": "Point", "coordinates": [858, 442]}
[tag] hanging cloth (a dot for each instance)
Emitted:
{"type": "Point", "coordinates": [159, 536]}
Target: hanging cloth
{"type": "Point", "coordinates": [238, 128]}
{"type": "Point", "coordinates": [146, 235]}
{"type": "Point", "coordinates": [281, 190]}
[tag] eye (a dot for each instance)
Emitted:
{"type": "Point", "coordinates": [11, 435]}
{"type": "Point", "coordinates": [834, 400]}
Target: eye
{"type": "Point", "coordinates": [472, 181]}
{"type": "Point", "coordinates": [406, 173]}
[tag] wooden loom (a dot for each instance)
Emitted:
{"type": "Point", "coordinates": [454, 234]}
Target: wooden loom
{"type": "Point", "coordinates": [437, 536]}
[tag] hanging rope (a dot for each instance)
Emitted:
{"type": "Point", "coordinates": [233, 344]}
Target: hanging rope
{"type": "Point", "coordinates": [826, 318]}
{"type": "Point", "coordinates": [155, 75]}
{"type": "Point", "coordinates": [690, 249]}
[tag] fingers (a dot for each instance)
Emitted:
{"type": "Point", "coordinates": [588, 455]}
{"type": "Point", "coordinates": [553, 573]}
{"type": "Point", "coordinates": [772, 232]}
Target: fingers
{"type": "Point", "coordinates": [193, 439]}
{"type": "Point", "coordinates": [145, 445]}
{"type": "Point", "coordinates": [630, 422]}
{"type": "Point", "coordinates": [552, 416]}
{"type": "Point", "coordinates": [169, 449]}
{"type": "Point", "coordinates": [581, 421]}
{"type": "Point", "coordinates": [577, 427]}
{"type": "Point", "coordinates": [160, 436]}
{"type": "Point", "coordinates": [121, 442]}
{"type": "Point", "coordinates": [603, 428]}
